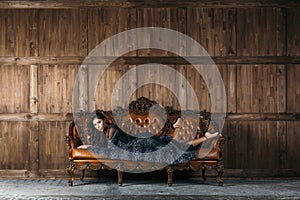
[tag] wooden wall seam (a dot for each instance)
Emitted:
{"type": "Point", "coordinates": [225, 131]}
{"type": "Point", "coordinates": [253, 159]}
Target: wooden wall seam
{"type": "Point", "coordinates": [131, 60]}
{"type": "Point", "coordinates": [60, 4]}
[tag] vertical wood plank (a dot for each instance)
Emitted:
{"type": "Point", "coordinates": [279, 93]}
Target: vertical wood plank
{"type": "Point", "coordinates": [293, 32]}
{"type": "Point", "coordinates": [83, 26]}
{"type": "Point", "coordinates": [228, 74]}
{"type": "Point", "coordinates": [106, 22]}
{"type": "Point", "coordinates": [293, 88]}
{"type": "Point", "coordinates": [14, 92]}
{"type": "Point", "coordinates": [15, 145]}
{"type": "Point", "coordinates": [34, 89]}
{"type": "Point", "coordinates": [200, 88]}
{"type": "Point", "coordinates": [258, 32]}
{"type": "Point", "coordinates": [261, 88]}
{"type": "Point", "coordinates": [214, 29]}
{"type": "Point", "coordinates": [256, 145]}
{"type": "Point", "coordinates": [292, 144]}
{"type": "Point", "coordinates": [55, 88]}
{"type": "Point", "coordinates": [59, 34]}
{"type": "Point", "coordinates": [18, 32]}
{"type": "Point", "coordinates": [172, 18]}
{"type": "Point", "coordinates": [33, 147]}
{"type": "Point", "coordinates": [52, 148]}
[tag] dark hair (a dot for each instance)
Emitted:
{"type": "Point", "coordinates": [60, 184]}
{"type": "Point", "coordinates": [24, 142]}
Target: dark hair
{"type": "Point", "coordinates": [96, 138]}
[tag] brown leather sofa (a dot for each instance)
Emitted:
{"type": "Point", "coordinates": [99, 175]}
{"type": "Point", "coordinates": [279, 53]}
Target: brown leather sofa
{"type": "Point", "coordinates": [139, 115]}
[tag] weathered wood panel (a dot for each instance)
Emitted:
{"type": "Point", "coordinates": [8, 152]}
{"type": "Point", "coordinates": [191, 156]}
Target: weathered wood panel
{"type": "Point", "coordinates": [17, 139]}
{"type": "Point", "coordinates": [53, 151]}
{"type": "Point", "coordinates": [13, 24]}
{"type": "Point", "coordinates": [106, 22]}
{"type": "Point", "coordinates": [172, 18]}
{"type": "Point", "coordinates": [228, 74]}
{"type": "Point", "coordinates": [214, 29]}
{"type": "Point", "coordinates": [292, 143]}
{"type": "Point", "coordinates": [261, 31]}
{"type": "Point", "coordinates": [107, 84]}
{"type": "Point", "coordinates": [200, 88]}
{"type": "Point", "coordinates": [147, 3]}
{"type": "Point", "coordinates": [293, 88]}
{"type": "Point", "coordinates": [263, 96]}
{"type": "Point", "coordinates": [62, 32]}
{"type": "Point", "coordinates": [261, 88]}
{"type": "Point", "coordinates": [293, 32]}
{"type": "Point", "coordinates": [14, 90]}
{"type": "Point", "coordinates": [256, 145]}
{"type": "Point", "coordinates": [55, 88]}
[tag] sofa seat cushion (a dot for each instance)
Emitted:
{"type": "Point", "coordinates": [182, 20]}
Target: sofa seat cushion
{"type": "Point", "coordinates": [80, 154]}
{"type": "Point", "coordinates": [207, 154]}
{"type": "Point", "coordinates": [209, 150]}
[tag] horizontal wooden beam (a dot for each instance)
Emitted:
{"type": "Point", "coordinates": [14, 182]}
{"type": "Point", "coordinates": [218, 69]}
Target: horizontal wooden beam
{"type": "Point", "coordinates": [263, 117]}
{"type": "Point", "coordinates": [36, 117]}
{"type": "Point", "coordinates": [229, 117]}
{"type": "Point", "coordinates": [134, 60]}
{"type": "Point", "coordinates": [50, 4]}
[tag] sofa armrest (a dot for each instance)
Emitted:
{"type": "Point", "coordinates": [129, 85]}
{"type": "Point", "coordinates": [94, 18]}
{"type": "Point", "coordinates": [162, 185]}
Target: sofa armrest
{"type": "Point", "coordinates": [73, 140]}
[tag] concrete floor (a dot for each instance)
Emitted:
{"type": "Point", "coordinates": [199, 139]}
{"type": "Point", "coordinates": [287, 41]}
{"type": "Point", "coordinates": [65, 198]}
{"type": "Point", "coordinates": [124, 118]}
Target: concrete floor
{"type": "Point", "coordinates": [150, 189]}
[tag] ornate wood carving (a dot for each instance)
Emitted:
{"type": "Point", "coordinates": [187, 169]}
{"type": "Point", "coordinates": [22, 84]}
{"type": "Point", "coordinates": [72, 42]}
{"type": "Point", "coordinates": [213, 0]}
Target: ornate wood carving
{"type": "Point", "coordinates": [142, 107]}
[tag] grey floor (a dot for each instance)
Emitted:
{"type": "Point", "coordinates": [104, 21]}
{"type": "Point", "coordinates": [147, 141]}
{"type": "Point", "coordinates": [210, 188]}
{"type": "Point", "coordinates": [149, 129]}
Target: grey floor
{"type": "Point", "coordinates": [150, 189]}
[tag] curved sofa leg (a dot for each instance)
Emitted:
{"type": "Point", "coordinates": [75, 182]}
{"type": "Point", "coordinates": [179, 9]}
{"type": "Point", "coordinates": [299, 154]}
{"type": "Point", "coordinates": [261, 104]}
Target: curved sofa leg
{"type": "Point", "coordinates": [220, 172]}
{"type": "Point", "coordinates": [120, 177]}
{"type": "Point", "coordinates": [203, 173]}
{"type": "Point", "coordinates": [82, 176]}
{"type": "Point", "coordinates": [170, 175]}
{"type": "Point", "coordinates": [71, 172]}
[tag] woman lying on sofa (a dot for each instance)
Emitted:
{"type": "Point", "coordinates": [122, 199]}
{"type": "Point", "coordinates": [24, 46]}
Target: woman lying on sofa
{"type": "Point", "coordinates": [111, 142]}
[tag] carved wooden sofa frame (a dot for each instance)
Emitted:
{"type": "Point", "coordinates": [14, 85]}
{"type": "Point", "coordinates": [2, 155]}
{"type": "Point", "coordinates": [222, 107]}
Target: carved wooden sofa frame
{"type": "Point", "coordinates": [82, 159]}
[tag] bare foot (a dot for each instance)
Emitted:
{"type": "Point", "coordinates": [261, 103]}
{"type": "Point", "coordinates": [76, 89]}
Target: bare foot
{"type": "Point", "coordinates": [83, 146]}
{"type": "Point", "coordinates": [209, 135]}
{"type": "Point", "coordinates": [178, 123]}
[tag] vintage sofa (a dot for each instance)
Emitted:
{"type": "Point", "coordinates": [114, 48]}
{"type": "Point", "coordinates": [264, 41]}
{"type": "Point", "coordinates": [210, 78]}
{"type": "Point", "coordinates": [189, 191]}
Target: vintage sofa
{"type": "Point", "coordinates": [82, 159]}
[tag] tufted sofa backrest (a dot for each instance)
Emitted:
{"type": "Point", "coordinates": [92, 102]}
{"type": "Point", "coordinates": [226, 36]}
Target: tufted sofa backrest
{"type": "Point", "coordinates": [146, 116]}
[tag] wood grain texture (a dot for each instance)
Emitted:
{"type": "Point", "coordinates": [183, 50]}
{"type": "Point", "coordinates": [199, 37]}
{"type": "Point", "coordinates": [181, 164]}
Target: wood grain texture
{"type": "Point", "coordinates": [14, 91]}
{"type": "Point", "coordinates": [171, 18]}
{"type": "Point", "coordinates": [54, 4]}
{"type": "Point", "coordinates": [16, 139]}
{"type": "Point", "coordinates": [292, 143]}
{"type": "Point", "coordinates": [13, 24]}
{"type": "Point", "coordinates": [293, 88]}
{"type": "Point", "coordinates": [61, 33]}
{"type": "Point", "coordinates": [256, 49]}
{"type": "Point", "coordinates": [106, 22]}
{"type": "Point", "coordinates": [55, 88]}
{"type": "Point", "coordinates": [261, 88]}
{"type": "Point", "coordinates": [52, 148]}
{"type": "Point", "coordinates": [253, 145]}
{"type": "Point", "coordinates": [214, 29]}
{"type": "Point", "coordinates": [261, 31]}
{"type": "Point", "coordinates": [293, 32]}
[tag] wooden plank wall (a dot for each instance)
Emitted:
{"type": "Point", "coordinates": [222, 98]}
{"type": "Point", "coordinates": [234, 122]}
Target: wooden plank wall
{"type": "Point", "coordinates": [41, 50]}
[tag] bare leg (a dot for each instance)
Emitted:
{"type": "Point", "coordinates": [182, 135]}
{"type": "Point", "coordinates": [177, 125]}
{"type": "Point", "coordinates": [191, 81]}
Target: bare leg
{"type": "Point", "coordinates": [207, 136]}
